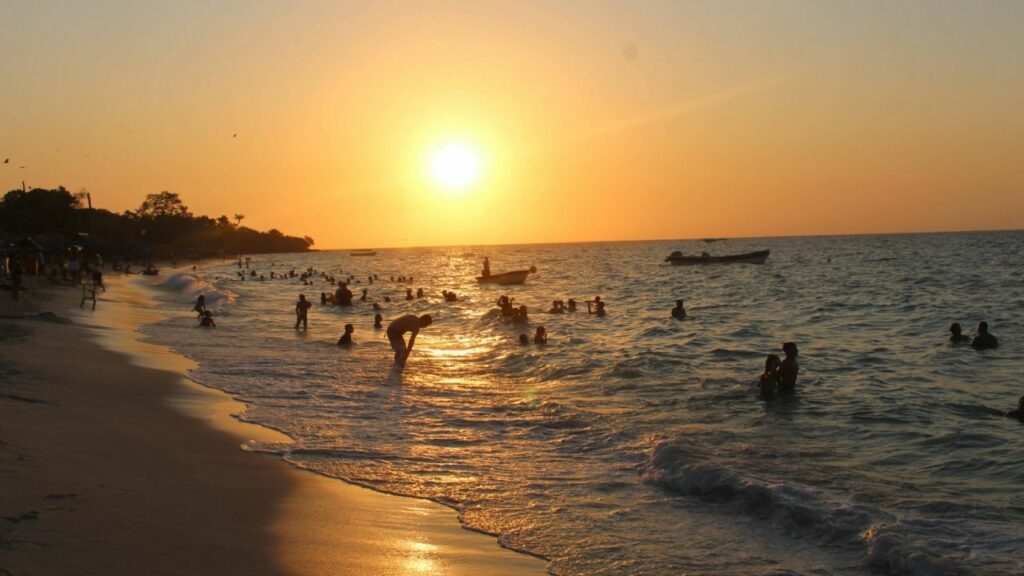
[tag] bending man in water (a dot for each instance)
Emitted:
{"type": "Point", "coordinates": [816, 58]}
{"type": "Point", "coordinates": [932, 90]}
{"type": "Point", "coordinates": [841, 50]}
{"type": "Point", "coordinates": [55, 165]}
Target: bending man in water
{"type": "Point", "coordinates": [396, 334]}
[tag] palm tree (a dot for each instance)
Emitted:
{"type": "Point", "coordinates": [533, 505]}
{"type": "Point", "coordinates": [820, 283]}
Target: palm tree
{"type": "Point", "coordinates": [238, 219]}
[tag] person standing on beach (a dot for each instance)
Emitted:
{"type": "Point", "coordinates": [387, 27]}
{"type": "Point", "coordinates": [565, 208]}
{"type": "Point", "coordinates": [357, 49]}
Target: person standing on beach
{"type": "Point", "coordinates": [301, 309]}
{"type": "Point", "coordinates": [788, 368]}
{"type": "Point", "coordinates": [396, 334]}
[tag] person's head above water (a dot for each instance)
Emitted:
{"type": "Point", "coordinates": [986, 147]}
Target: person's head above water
{"type": "Point", "coordinates": [982, 327]}
{"type": "Point", "coordinates": [790, 349]}
{"type": "Point", "coordinates": [349, 329]}
{"type": "Point", "coordinates": [302, 296]}
{"type": "Point", "coordinates": [679, 303]}
{"type": "Point", "coordinates": [955, 328]}
{"type": "Point", "coordinates": [426, 320]}
{"type": "Point", "coordinates": [771, 362]}
{"type": "Point", "coordinates": [524, 339]}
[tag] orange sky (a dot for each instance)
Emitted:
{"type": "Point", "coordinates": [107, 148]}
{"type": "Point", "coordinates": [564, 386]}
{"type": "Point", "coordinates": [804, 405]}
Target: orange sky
{"type": "Point", "coordinates": [595, 120]}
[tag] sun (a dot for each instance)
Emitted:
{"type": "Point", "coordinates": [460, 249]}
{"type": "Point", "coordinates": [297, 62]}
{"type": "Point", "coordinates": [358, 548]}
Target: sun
{"type": "Point", "coordinates": [455, 167]}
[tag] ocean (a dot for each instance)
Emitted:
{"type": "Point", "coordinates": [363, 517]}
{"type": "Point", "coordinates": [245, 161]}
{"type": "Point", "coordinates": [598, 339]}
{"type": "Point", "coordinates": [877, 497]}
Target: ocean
{"type": "Point", "coordinates": [639, 444]}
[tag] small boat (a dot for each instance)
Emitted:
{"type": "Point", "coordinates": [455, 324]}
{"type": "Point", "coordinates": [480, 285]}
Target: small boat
{"type": "Point", "coordinates": [363, 252]}
{"type": "Point", "coordinates": [506, 278]}
{"type": "Point", "coordinates": [151, 271]}
{"type": "Point", "coordinates": [677, 258]}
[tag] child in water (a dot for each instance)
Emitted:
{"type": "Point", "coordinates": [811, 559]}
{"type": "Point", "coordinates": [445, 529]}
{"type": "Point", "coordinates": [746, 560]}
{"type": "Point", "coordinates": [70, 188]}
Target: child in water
{"type": "Point", "coordinates": [207, 320]}
{"type": "Point", "coordinates": [346, 338]}
{"type": "Point", "coordinates": [769, 381]}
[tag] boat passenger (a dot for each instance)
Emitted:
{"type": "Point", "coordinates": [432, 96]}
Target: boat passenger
{"type": "Point", "coordinates": [679, 312]}
{"type": "Point", "coordinates": [487, 268]}
{"type": "Point", "coordinates": [984, 340]}
{"type": "Point", "coordinates": [788, 368]}
{"type": "Point", "coordinates": [956, 334]}
{"type": "Point", "coordinates": [346, 338]}
{"type": "Point", "coordinates": [541, 336]}
{"type": "Point", "coordinates": [769, 381]}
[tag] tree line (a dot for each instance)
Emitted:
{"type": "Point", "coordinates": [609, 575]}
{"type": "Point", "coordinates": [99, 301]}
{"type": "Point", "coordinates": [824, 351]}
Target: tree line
{"type": "Point", "coordinates": [162, 222]}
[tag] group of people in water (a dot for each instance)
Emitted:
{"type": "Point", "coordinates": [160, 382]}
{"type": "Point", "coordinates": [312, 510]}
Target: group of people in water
{"type": "Point", "coordinates": [983, 341]}
{"type": "Point", "coordinates": [779, 375]}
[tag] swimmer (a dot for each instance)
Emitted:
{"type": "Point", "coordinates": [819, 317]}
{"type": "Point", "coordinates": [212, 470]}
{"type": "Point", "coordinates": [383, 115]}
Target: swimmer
{"type": "Point", "coordinates": [788, 368]}
{"type": "Point", "coordinates": [346, 338]}
{"type": "Point", "coordinates": [956, 334]}
{"type": "Point", "coordinates": [984, 340]}
{"type": "Point", "coordinates": [1019, 412]}
{"type": "Point", "coordinates": [524, 339]}
{"type": "Point", "coordinates": [378, 321]}
{"type": "Point", "coordinates": [570, 305]}
{"type": "Point", "coordinates": [541, 336]}
{"type": "Point", "coordinates": [769, 381]}
{"type": "Point", "coordinates": [408, 294]}
{"type": "Point", "coordinates": [207, 320]}
{"type": "Point", "coordinates": [200, 306]}
{"type": "Point", "coordinates": [301, 309]}
{"type": "Point", "coordinates": [419, 293]}
{"type": "Point", "coordinates": [323, 298]}
{"type": "Point", "coordinates": [679, 312]}
{"type": "Point", "coordinates": [396, 334]}
{"type": "Point", "coordinates": [598, 307]}
{"type": "Point", "coordinates": [557, 307]}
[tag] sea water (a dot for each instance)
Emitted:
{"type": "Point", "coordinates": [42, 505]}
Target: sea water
{"type": "Point", "coordinates": [639, 444]}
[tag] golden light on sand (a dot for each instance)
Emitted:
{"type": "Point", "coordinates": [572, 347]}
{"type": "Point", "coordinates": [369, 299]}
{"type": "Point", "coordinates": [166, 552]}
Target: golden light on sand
{"type": "Point", "coordinates": [455, 167]}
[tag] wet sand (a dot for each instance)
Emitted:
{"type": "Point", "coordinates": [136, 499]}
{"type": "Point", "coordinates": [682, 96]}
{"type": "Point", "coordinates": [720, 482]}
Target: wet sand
{"type": "Point", "coordinates": [111, 462]}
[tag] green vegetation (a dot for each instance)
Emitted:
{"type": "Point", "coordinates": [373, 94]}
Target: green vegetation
{"type": "Point", "coordinates": [162, 224]}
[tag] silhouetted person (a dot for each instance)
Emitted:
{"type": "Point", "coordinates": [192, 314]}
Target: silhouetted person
{"type": "Point", "coordinates": [769, 381]}
{"type": "Point", "coordinates": [363, 297]}
{"type": "Point", "coordinates": [788, 368]}
{"type": "Point", "coordinates": [346, 338]}
{"type": "Point", "coordinates": [200, 306]}
{"type": "Point", "coordinates": [419, 293]}
{"type": "Point", "coordinates": [541, 336]}
{"type": "Point", "coordinates": [301, 308]}
{"type": "Point", "coordinates": [598, 307]}
{"type": "Point", "coordinates": [1019, 412]}
{"type": "Point", "coordinates": [408, 294]}
{"type": "Point", "coordinates": [956, 334]}
{"type": "Point", "coordinates": [378, 321]}
{"type": "Point", "coordinates": [679, 312]}
{"type": "Point", "coordinates": [524, 339]}
{"type": "Point", "coordinates": [984, 340]}
{"type": "Point", "coordinates": [323, 297]}
{"type": "Point", "coordinates": [343, 296]}
{"type": "Point", "coordinates": [487, 267]}
{"type": "Point", "coordinates": [206, 320]}
{"type": "Point", "coordinates": [557, 307]}
{"type": "Point", "coordinates": [571, 305]}
{"type": "Point", "coordinates": [396, 334]}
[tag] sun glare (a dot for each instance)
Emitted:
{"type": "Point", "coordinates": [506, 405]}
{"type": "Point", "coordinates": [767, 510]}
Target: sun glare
{"type": "Point", "coordinates": [455, 167]}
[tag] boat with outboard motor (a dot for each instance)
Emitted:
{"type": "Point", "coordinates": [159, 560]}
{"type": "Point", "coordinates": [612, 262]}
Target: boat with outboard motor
{"type": "Point", "coordinates": [678, 259]}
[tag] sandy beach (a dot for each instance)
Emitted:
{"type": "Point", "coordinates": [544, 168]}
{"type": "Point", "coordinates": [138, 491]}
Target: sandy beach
{"type": "Point", "coordinates": [112, 462]}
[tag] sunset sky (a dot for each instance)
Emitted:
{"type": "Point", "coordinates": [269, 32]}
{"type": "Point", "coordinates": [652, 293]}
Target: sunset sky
{"type": "Point", "coordinates": [588, 120]}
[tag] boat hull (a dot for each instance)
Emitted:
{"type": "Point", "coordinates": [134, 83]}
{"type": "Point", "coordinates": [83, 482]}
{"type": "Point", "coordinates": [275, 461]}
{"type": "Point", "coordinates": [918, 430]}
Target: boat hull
{"type": "Point", "coordinates": [749, 258]}
{"type": "Point", "coordinates": [505, 278]}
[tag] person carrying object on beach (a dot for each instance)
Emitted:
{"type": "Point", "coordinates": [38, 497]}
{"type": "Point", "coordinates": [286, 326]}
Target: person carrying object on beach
{"type": "Point", "coordinates": [1019, 412]}
{"type": "Point", "coordinates": [301, 312]}
{"type": "Point", "coordinates": [769, 381]}
{"type": "Point", "coordinates": [346, 338]}
{"type": "Point", "coordinates": [984, 340]}
{"type": "Point", "coordinates": [679, 312]}
{"type": "Point", "coordinates": [788, 368]}
{"type": "Point", "coordinates": [956, 334]}
{"type": "Point", "coordinates": [200, 306]}
{"type": "Point", "coordinates": [396, 334]}
{"type": "Point", "coordinates": [206, 320]}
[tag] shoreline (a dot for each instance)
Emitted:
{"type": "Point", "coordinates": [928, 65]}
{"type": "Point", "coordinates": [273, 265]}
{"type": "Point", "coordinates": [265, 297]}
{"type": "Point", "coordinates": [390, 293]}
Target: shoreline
{"type": "Point", "coordinates": [126, 478]}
